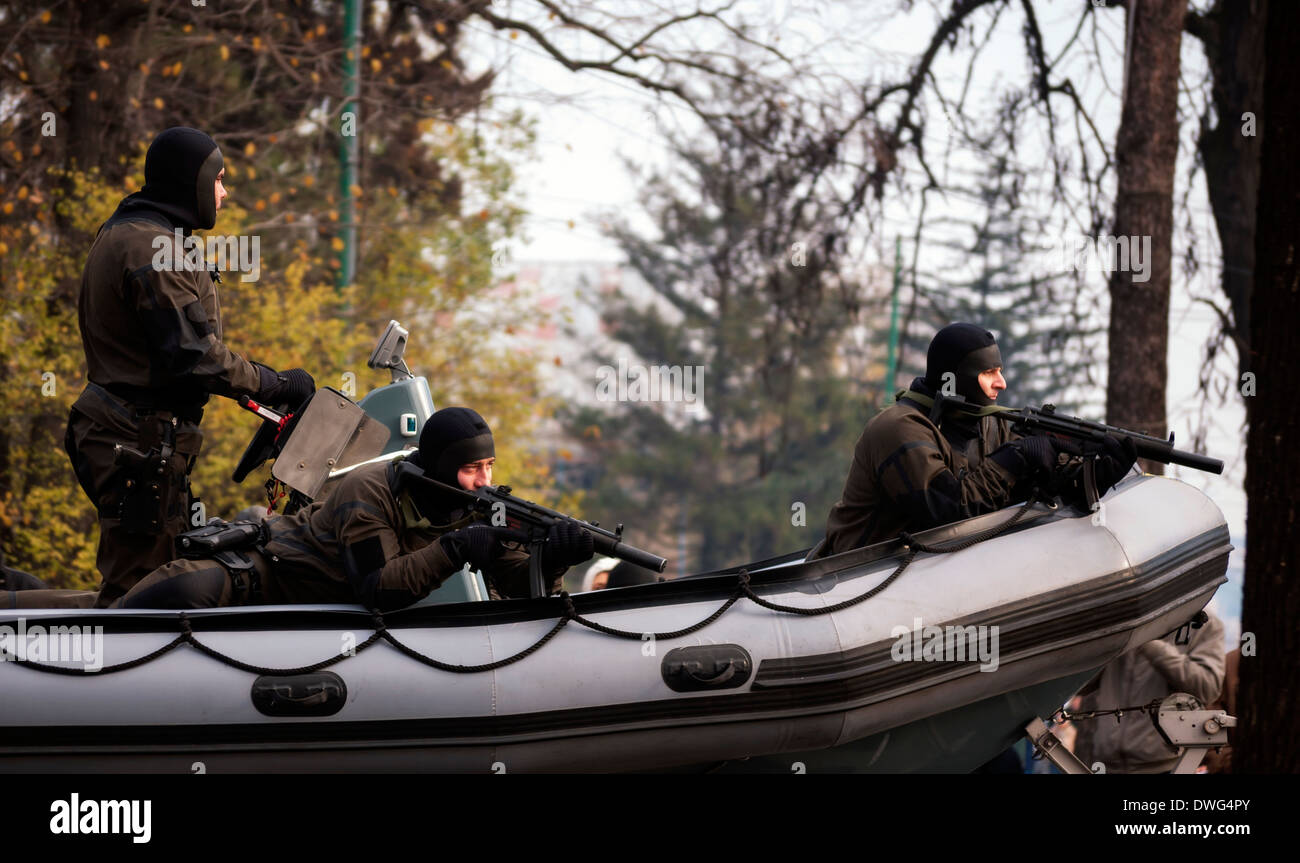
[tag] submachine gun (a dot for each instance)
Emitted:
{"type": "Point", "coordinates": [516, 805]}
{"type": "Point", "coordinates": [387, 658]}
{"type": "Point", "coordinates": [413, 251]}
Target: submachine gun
{"type": "Point", "coordinates": [499, 507]}
{"type": "Point", "coordinates": [1045, 420]}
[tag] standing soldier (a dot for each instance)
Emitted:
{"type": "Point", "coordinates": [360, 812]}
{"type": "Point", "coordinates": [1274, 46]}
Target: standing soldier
{"type": "Point", "coordinates": [152, 336]}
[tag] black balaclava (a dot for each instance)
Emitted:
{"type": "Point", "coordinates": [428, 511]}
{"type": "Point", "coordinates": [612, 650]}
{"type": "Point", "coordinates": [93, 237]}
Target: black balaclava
{"type": "Point", "coordinates": [179, 172]}
{"type": "Point", "coordinates": [965, 350]}
{"type": "Point", "coordinates": [453, 437]}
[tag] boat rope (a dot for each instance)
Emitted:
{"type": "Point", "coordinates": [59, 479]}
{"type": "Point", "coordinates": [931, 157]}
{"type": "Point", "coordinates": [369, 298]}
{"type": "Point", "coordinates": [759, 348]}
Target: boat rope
{"type": "Point", "coordinates": [569, 612]}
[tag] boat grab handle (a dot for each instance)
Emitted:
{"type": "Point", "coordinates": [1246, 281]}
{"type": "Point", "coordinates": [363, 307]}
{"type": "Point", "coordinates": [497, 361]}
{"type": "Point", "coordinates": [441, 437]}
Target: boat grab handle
{"type": "Point", "coordinates": [708, 666]}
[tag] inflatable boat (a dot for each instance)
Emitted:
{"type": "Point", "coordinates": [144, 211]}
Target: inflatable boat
{"type": "Point", "coordinates": [930, 656]}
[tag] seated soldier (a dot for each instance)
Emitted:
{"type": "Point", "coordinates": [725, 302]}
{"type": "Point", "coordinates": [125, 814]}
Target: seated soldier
{"type": "Point", "coordinates": [375, 540]}
{"type": "Point", "coordinates": [928, 460]}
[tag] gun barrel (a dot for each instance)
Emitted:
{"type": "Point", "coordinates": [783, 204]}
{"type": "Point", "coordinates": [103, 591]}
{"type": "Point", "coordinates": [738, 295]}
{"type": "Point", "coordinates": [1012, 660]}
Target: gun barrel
{"type": "Point", "coordinates": [630, 553]}
{"type": "Point", "coordinates": [1198, 462]}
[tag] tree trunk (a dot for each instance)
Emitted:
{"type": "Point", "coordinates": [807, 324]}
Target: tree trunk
{"type": "Point", "coordinates": [1233, 35]}
{"type": "Point", "coordinates": [1145, 152]}
{"type": "Point", "coordinates": [1266, 739]}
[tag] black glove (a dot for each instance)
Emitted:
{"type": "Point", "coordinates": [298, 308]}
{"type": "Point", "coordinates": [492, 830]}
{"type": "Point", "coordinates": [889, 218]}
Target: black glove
{"type": "Point", "coordinates": [1034, 455]}
{"type": "Point", "coordinates": [290, 387]}
{"type": "Point", "coordinates": [1115, 458]}
{"type": "Point", "coordinates": [566, 545]}
{"type": "Point", "coordinates": [479, 545]}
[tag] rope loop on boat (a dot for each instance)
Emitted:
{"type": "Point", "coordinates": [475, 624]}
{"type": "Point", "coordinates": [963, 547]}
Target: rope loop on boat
{"type": "Point", "coordinates": [911, 545]}
{"type": "Point", "coordinates": [472, 669]}
{"type": "Point", "coordinates": [572, 614]}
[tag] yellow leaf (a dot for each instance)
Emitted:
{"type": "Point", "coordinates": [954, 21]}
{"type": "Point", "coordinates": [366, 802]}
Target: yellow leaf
{"type": "Point", "coordinates": [45, 17]}
{"type": "Point", "coordinates": [8, 207]}
{"type": "Point", "coordinates": [103, 64]}
{"type": "Point", "coordinates": [257, 43]}
{"type": "Point", "coordinates": [309, 181]}
{"type": "Point", "coordinates": [225, 52]}
{"type": "Point", "coordinates": [334, 215]}
{"type": "Point", "coordinates": [250, 148]}
{"type": "Point", "coordinates": [375, 65]}
{"type": "Point", "coordinates": [159, 104]}
{"type": "Point", "coordinates": [336, 244]}
{"type": "Point", "coordinates": [355, 190]}
{"type": "Point", "coordinates": [260, 205]}
{"type": "Point", "coordinates": [440, 27]}
{"type": "Point", "coordinates": [102, 41]}
{"type": "Point", "coordinates": [187, 28]}
{"type": "Point", "coordinates": [514, 34]}
{"type": "Point", "coordinates": [93, 95]}
{"type": "Point", "coordinates": [4, 250]}
{"type": "Point", "coordinates": [275, 197]}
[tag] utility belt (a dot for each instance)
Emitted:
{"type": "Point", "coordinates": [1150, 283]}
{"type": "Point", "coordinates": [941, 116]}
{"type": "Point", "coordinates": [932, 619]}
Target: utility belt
{"type": "Point", "coordinates": [171, 404]}
{"type": "Point", "coordinates": [233, 545]}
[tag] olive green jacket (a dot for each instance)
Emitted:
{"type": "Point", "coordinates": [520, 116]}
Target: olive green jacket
{"type": "Point", "coordinates": [907, 475]}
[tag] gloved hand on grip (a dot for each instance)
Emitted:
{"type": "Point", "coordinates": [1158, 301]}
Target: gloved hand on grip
{"type": "Point", "coordinates": [1036, 455]}
{"type": "Point", "coordinates": [479, 545]}
{"type": "Point", "coordinates": [290, 387]}
{"type": "Point", "coordinates": [566, 545]}
{"type": "Point", "coordinates": [1115, 458]}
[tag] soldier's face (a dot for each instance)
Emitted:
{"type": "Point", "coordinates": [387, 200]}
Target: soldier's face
{"type": "Point", "coordinates": [218, 188]}
{"type": "Point", "coordinates": [476, 474]}
{"type": "Point", "coordinates": [992, 382]}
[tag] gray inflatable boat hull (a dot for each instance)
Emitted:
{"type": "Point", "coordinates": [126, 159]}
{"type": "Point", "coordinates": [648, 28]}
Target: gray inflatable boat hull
{"type": "Point", "coordinates": [1066, 592]}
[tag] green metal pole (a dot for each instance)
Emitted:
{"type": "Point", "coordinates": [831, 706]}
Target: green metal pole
{"type": "Point", "coordinates": [350, 130]}
{"type": "Point", "coordinates": [893, 320]}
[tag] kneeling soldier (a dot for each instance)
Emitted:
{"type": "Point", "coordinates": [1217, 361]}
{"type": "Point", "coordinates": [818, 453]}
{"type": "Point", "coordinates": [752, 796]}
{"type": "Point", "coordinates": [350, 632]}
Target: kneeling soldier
{"type": "Point", "coordinates": [376, 540]}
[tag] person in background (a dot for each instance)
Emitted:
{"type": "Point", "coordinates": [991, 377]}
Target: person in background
{"type": "Point", "coordinates": [1187, 660]}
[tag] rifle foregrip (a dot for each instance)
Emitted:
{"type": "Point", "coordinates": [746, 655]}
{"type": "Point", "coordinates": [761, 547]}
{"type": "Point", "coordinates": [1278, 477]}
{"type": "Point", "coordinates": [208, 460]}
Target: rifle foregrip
{"type": "Point", "coordinates": [621, 550]}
